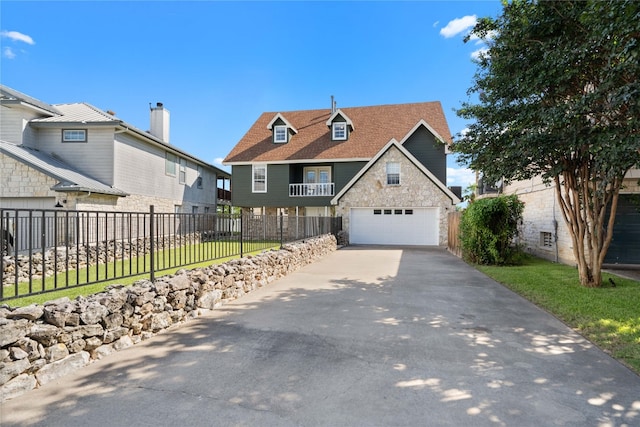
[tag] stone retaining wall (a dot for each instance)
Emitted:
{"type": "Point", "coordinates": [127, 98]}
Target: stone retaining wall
{"type": "Point", "coordinates": [58, 259]}
{"type": "Point", "coordinates": [41, 343]}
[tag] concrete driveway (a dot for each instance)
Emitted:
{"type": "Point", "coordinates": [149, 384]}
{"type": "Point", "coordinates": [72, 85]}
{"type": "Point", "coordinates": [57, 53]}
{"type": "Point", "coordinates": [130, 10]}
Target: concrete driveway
{"type": "Point", "coordinates": [365, 337]}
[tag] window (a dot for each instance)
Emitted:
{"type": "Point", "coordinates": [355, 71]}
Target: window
{"type": "Point", "coordinates": [280, 134]}
{"type": "Point", "coordinates": [74, 135]}
{"type": "Point", "coordinates": [387, 211]}
{"type": "Point", "coordinates": [183, 171]}
{"type": "Point", "coordinates": [393, 173]}
{"type": "Point", "coordinates": [194, 209]}
{"type": "Point", "coordinates": [199, 179]}
{"type": "Point", "coordinates": [339, 131]}
{"type": "Point", "coordinates": [397, 212]}
{"type": "Point", "coordinates": [259, 179]}
{"type": "Point", "coordinates": [408, 211]}
{"type": "Point", "coordinates": [170, 164]}
{"type": "Point", "coordinates": [377, 211]}
{"type": "Point", "coordinates": [546, 239]}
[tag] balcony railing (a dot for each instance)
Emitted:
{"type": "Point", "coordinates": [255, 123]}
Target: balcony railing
{"type": "Point", "coordinates": [311, 190]}
{"type": "Point", "coordinates": [224, 194]}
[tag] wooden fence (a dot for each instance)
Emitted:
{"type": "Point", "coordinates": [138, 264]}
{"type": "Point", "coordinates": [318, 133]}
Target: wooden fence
{"type": "Point", "coordinates": [454, 233]}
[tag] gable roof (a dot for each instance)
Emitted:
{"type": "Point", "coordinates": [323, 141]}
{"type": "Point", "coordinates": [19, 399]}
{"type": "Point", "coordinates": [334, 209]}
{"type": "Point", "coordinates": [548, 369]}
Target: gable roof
{"type": "Point", "coordinates": [412, 159]}
{"type": "Point", "coordinates": [375, 126]}
{"type": "Point", "coordinates": [285, 121]}
{"type": "Point", "coordinates": [12, 96]}
{"type": "Point", "coordinates": [340, 113]}
{"type": "Point", "coordinates": [69, 179]}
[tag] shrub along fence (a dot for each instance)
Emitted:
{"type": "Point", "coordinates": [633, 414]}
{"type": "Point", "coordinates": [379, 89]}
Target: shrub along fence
{"type": "Point", "coordinates": [49, 250]}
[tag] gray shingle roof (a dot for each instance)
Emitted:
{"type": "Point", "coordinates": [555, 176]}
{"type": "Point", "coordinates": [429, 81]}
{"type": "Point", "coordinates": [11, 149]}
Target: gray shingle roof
{"type": "Point", "coordinates": [69, 179]}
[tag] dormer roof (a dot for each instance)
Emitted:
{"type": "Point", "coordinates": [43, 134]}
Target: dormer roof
{"type": "Point", "coordinates": [342, 114]}
{"type": "Point", "coordinates": [285, 121]}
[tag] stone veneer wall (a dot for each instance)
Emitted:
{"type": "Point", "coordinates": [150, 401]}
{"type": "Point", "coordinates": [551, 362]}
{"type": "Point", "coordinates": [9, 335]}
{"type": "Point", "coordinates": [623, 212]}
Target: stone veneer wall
{"type": "Point", "coordinates": [40, 343]}
{"type": "Point", "coordinates": [19, 180]}
{"type": "Point", "coordinates": [415, 190]}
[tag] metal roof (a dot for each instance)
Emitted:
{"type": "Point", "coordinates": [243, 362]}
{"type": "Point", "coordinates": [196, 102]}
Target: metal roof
{"type": "Point", "coordinates": [70, 180]}
{"type": "Point", "coordinates": [79, 113]}
{"type": "Point", "coordinates": [11, 95]}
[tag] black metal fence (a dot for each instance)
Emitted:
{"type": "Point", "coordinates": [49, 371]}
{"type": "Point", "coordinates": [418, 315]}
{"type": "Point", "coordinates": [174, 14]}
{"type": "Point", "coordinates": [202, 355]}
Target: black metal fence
{"type": "Point", "coordinates": [49, 250]}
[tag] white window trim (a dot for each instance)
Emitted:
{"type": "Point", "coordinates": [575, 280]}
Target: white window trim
{"type": "Point", "coordinates": [280, 128]}
{"type": "Point", "coordinates": [182, 172]}
{"type": "Point", "coordinates": [399, 173]}
{"type": "Point", "coordinates": [333, 131]}
{"type": "Point", "coordinates": [73, 135]}
{"type": "Point", "coordinates": [253, 178]}
{"type": "Point", "coordinates": [170, 159]}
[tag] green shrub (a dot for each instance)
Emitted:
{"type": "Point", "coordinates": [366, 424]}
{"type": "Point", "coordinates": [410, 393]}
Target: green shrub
{"type": "Point", "coordinates": [488, 228]}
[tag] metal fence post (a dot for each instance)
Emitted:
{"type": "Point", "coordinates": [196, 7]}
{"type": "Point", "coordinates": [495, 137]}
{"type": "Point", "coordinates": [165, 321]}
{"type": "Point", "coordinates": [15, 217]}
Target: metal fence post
{"type": "Point", "coordinates": [152, 246]}
{"type": "Point", "coordinates": [281, 229]}
{"type": "Point", "coordinates": [241, 231]}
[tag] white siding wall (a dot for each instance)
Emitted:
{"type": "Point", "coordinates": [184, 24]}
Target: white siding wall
{"type": "Point", "coordinates": [94, 158]}
{"type": "Point", "coordinates": [140, 169]}
{"type": "Point", "coordinates": [13, 125]}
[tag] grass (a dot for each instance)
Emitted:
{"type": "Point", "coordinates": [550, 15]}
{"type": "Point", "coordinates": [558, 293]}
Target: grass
{"type": "Point", "coordinates": [607, 316]}
{"type": "Point", "coordinates": [73, 284]}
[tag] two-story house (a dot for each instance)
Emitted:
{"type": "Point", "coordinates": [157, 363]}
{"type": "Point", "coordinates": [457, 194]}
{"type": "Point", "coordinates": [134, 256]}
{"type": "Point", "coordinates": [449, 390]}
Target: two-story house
{"type": "Point", "coordinates": [381, 168]}
{"type": "Point", "coordinates": [76, 156]}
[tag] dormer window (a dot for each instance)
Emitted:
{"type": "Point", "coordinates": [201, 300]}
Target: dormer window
{"type": "Point", "coordinates": [281, 128]}
{"type": "Point", "coordinates": [339, 132]}
{"type": "Point", "coordinates": [280, 134]}
{"type": "Point", "coordinates": [341, 126]}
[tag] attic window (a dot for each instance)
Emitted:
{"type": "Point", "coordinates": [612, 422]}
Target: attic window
{"type": "Point", "coordinates": [339, 131]}
{"type": "Point", "coordinates": [280, 134]}
{"type": "Point", "coordinates": [74, 135]}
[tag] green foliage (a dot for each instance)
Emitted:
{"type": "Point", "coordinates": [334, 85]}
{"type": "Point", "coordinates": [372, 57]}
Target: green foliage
{"type": "Point", "coordinates": [558, 95]}
{"type": "Point", "coordinates": [488, 228]}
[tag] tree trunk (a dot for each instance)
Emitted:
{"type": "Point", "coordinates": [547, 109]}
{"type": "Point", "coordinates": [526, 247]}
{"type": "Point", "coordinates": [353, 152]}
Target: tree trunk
{"type": "Point", "coordinates": [584, 211]}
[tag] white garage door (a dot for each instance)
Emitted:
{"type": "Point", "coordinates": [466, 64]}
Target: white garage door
{"type": "Point", "coordinates": [394, 226]}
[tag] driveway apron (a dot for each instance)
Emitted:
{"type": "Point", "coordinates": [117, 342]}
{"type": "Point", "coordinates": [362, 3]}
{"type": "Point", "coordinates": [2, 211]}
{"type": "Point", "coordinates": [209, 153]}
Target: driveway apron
{"type": "Point", "coordinates": [366, 336]}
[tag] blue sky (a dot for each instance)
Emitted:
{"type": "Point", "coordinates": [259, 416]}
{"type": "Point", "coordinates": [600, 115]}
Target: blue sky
{"type": "Point", "coordinates": [216, 66]}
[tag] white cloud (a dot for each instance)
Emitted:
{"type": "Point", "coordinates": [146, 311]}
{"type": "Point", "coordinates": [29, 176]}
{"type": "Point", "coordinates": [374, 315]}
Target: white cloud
{"type": "Point", "coordinates": [8, 53]}
{"type": "Point", "coordinates": [435, 24]}
{"type": "Point", "coordinates": [477, 54]}
{"type": "Point", "coordinates": [218, 161]}
{"type": "Point", "coordinates": [462, 177]}
{"type": "Point", "coordinates": [458, 26]}
{"type": "Point", "coordinates": [17, 37]}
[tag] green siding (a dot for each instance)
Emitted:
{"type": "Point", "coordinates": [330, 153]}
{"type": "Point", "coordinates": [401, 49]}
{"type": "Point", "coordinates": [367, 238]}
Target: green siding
{"type": "Point", "coordinates": [424, 147]}
{"type": "Point", "coordinates": [278, 179]}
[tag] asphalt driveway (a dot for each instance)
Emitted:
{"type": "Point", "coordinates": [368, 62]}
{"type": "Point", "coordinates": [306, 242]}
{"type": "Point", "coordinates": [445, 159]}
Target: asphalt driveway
{"type": "Point", "coordinates": [367, 336]}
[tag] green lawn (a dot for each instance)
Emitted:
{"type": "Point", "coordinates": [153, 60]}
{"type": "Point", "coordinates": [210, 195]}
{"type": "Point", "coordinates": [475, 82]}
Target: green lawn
{"type": "Point", "coordinates": [72, 284]}
{"type": "Point", "coordinates": [608, 316]}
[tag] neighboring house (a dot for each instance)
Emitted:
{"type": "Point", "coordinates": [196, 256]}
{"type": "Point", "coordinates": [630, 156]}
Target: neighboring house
{"type": "Point", "coordinates": [381, 168]}
{"type": "Point", "coordinates": [76, 156]}
{"type": "Point", "coordinates": [545, 234]}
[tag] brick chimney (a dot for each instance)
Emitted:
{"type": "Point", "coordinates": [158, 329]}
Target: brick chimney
{"type": "Point", "coordinates": [160, 122]}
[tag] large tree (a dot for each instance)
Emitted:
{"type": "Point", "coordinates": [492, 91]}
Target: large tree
{"type": "Point", "coordinates": [558, 92]}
